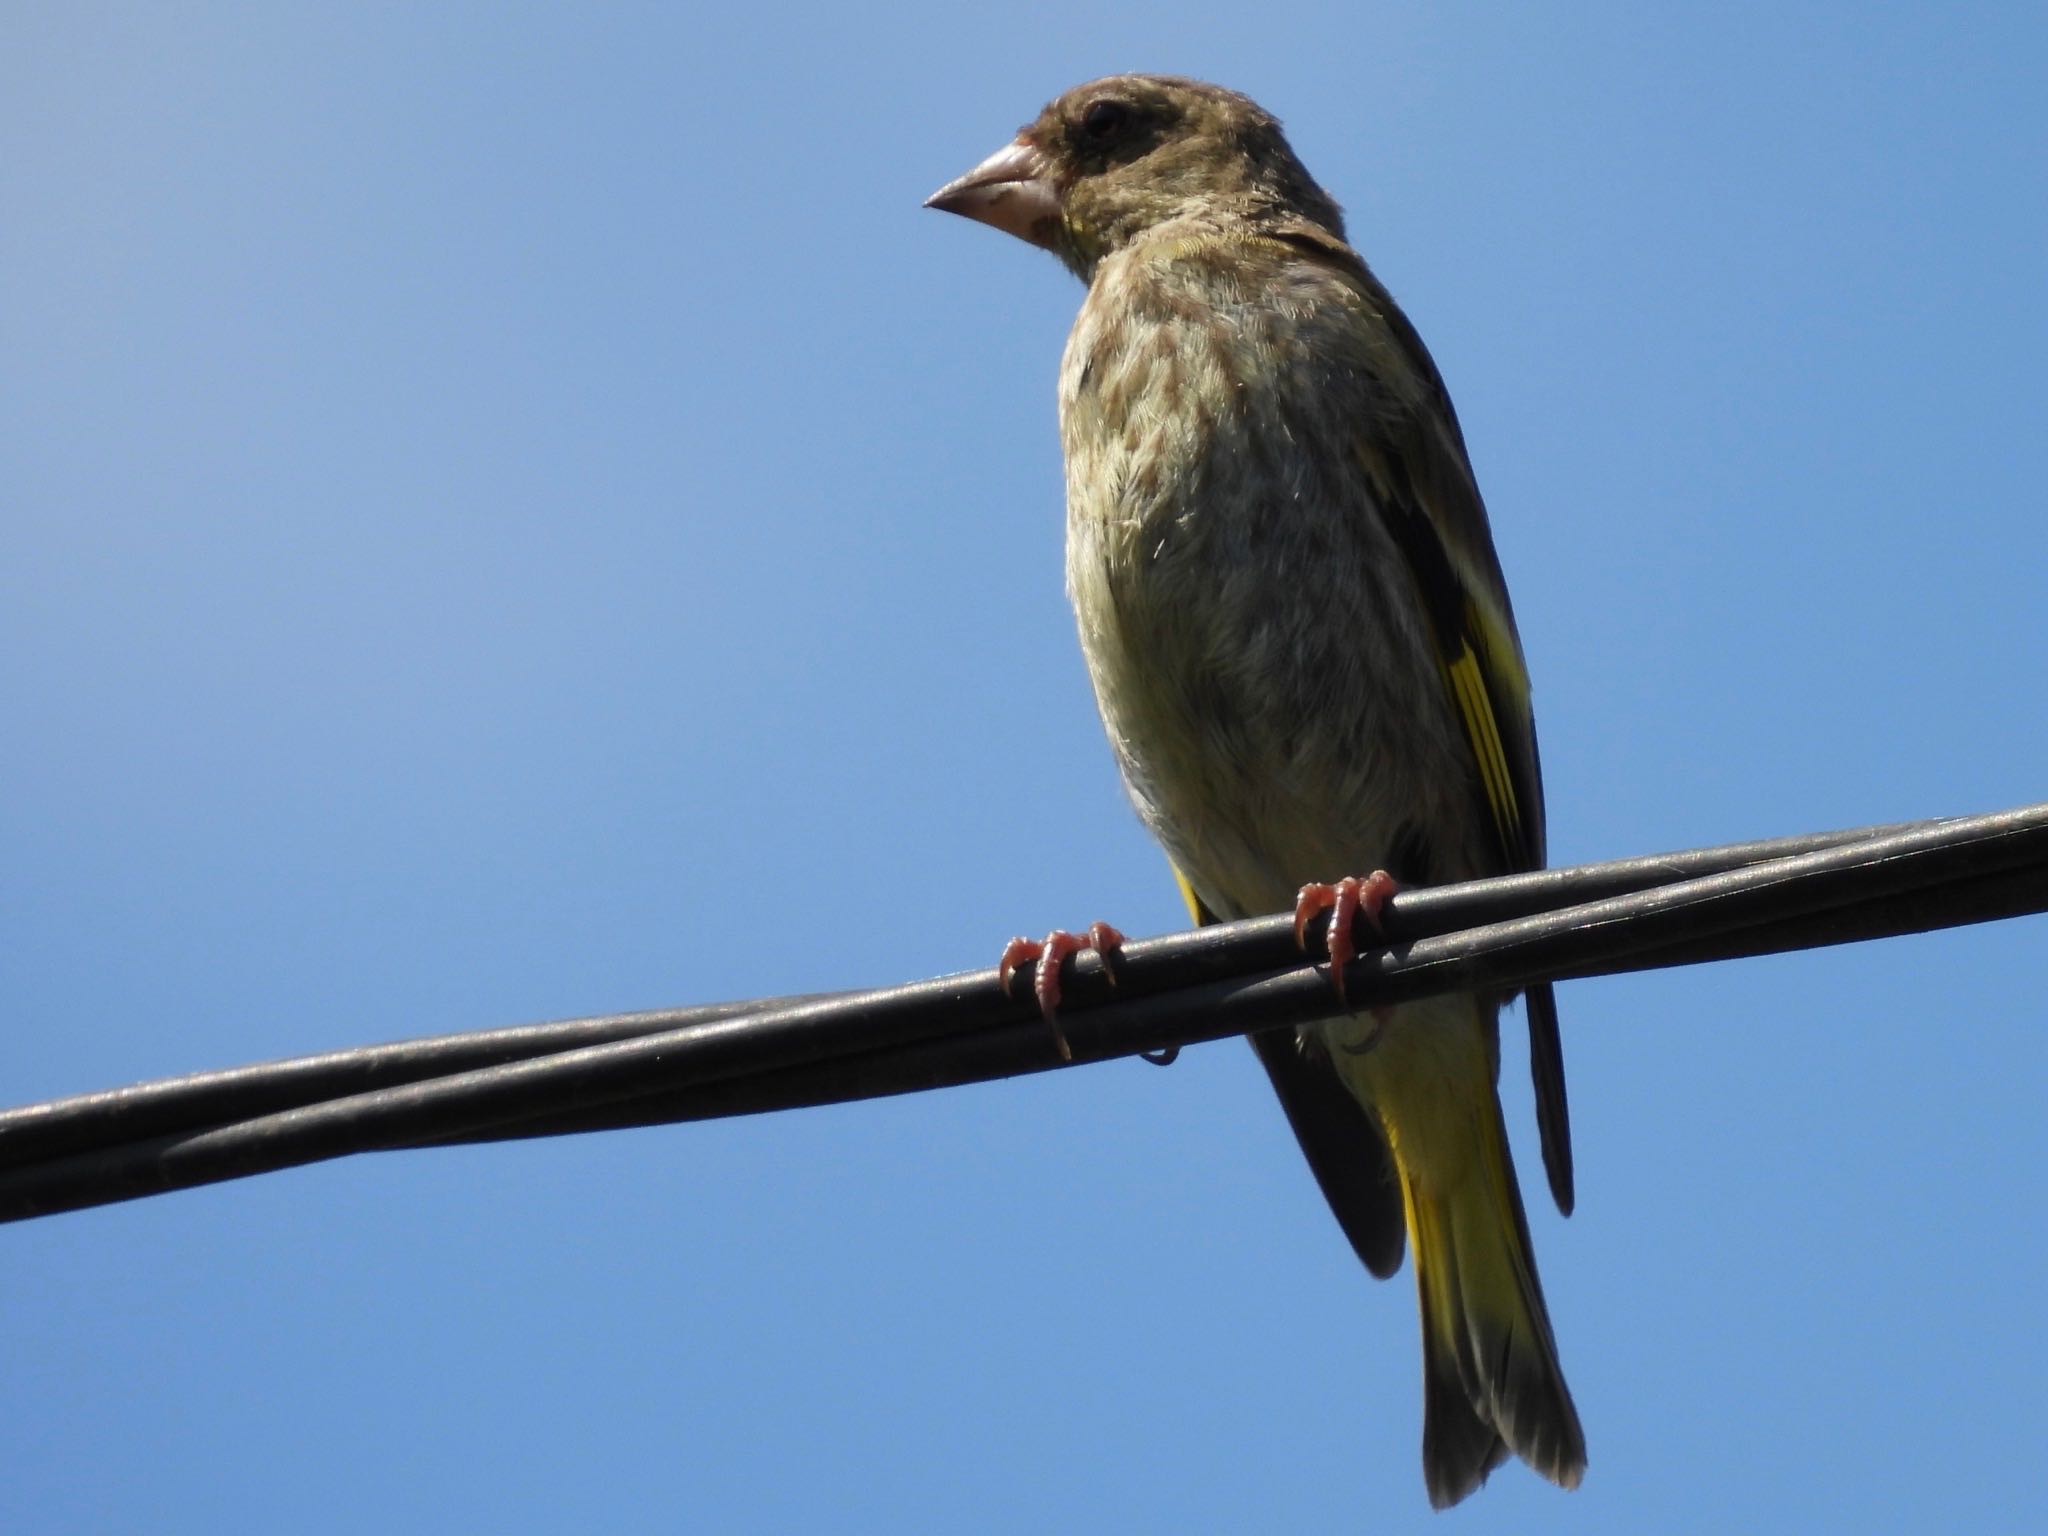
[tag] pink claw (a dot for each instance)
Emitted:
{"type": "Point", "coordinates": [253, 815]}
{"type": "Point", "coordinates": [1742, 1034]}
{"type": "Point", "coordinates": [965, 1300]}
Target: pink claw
{"type": "Point", "coordinates": [1050, 953]}
{"type": "Point", "coordinates": [1344, 901]}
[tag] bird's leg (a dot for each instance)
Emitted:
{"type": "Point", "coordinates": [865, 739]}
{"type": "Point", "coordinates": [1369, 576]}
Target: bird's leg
{"type": "Point", "coordinates": [1050, 952]}
{"type": "Point", "coordinates": [1344, 901]}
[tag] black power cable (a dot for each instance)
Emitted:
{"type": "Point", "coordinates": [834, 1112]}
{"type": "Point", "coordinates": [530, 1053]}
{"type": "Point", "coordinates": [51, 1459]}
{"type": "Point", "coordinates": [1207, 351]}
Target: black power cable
{"type": "Point", "coordinates": [736, 1058]}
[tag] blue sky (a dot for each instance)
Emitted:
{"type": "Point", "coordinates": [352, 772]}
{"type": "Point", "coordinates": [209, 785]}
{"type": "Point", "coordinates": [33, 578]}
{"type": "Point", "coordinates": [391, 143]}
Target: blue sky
{"type": "Point", "coordinates": [513, 513]}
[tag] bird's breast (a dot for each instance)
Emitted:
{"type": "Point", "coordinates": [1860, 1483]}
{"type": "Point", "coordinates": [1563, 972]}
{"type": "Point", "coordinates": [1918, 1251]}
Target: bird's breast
{"type": "Point", "coordinates": [1254, 637]}
{"type": "Point", "coordinates": [1256, 645]}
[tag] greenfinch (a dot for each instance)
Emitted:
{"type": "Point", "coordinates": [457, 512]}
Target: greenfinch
{"type": "Point", "coordinates": [1304, 655]}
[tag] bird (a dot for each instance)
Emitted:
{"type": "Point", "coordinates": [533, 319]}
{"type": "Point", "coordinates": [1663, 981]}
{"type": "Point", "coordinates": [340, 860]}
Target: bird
{"type": "Point", "coordinates": [1304, 656]}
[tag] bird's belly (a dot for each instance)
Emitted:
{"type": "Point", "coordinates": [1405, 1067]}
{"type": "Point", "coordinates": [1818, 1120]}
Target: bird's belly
{"type": "Point", "coordinates": [1275, 718]}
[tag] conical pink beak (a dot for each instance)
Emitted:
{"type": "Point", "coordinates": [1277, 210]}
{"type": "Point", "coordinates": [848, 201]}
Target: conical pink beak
{"type": "Point", "coordinates": [1011, 190]}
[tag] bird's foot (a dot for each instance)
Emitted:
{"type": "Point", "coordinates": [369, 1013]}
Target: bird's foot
{"type": "Point", "coordinates": [1343, 901]}
{"type": "Point", "coordinates": [1050, 952]}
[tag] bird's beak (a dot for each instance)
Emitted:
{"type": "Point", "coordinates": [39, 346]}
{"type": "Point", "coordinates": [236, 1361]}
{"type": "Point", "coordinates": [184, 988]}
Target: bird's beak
{"type": "Point", "coordinates": [1012, 190]}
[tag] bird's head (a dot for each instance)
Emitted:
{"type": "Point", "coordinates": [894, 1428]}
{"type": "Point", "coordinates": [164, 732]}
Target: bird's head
{"type": "Point", "coordinates": [1116, 157]}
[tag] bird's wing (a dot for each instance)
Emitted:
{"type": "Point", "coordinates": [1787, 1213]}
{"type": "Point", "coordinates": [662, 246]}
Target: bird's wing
{"type": "Point", "coordinates": [1484, 673]}
{"type": "Point", "coordinates": [1431, 502]}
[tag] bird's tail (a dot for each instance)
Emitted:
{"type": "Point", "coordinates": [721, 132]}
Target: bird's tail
{"type": "Point", "coordinates": [1491, 1381]}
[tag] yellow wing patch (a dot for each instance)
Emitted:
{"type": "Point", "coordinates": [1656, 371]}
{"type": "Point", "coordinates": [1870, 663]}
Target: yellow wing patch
{"type": "Point", "coordinates": [1468, 673]}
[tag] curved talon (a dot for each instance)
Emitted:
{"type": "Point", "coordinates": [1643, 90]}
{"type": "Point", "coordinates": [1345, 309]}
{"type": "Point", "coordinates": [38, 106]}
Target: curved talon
{"type": "Point", "coordinates": [1344, 900]}
{"type": "Point", "coordinates": [1308, 902]}
{"type": "Point", "coordinates": [1105, 941]}
{"type": "Point", "coordinates": [1374, 892]}
{"type": "Point", "coordinates": [1050, 953]}
{"type": "Point", "coordinates": [1372, 1036]}
{"type": "Point", "coordinates": [1017, 954]}
{"type": "Point", "coordinates": [1165, 1056]}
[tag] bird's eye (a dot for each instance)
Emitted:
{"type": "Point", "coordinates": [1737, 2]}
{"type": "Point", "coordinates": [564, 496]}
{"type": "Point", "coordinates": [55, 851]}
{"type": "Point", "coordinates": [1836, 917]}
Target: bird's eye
{"type": "Point", "coordinates": [1103, 120]}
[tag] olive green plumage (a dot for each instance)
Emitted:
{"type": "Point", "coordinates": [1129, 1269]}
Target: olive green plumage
{"type": "Point", "coordinates": [1306, 662]}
